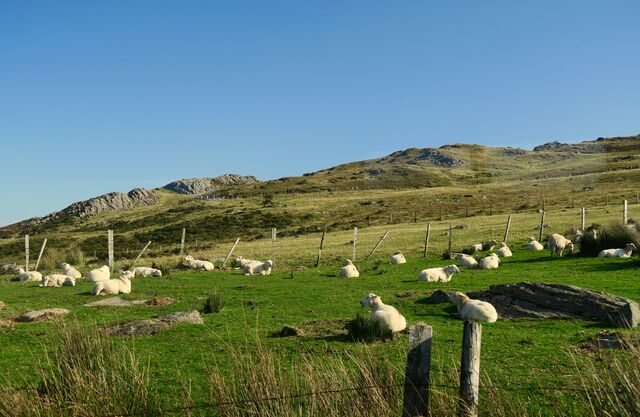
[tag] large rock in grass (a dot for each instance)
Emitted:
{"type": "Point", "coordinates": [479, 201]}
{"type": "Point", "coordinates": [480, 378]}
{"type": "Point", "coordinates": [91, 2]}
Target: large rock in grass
{"type": "Point", "coordinates": [558, 301]}
{"type": "Point", "coordinates": [46, 314]}
{"type": "Point", "coordinates": [153, 326]}
{"type": "Point", "coordinates": [115, 302]}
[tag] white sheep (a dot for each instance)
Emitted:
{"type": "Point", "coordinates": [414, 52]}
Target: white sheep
{"type": "Point", "coordinates": [261, 268]}
{"type": "Point", "coordinates": [70, 271]}
{"type": "Point", "coordinates": [618, 253]}
{"type": "Point", "coordinates": [438, 274]}
{"type": "Point", "coordinates": [474, 310]}
{"type": "Point", "coordinates": [143, 271]}
{"type": "Point", "coordinates": [558, 243]}
{"type": "Point", "coordinates": [476, 247]}
{"type": "Point", "coordinates": [466, 260]}
{"type": "Point", "coordinates": [198, 264]}
{"type": "Point", "coordinates": [120, 285]}
{"type": "Point", "coordinates": [489, 262]}
{"type": "Point", "coordinates": [29, 276]}
{"type": "Point", "coordinates": [54, 280]}
{"type": "Point", "coordinates": [398, 258]}
{"type": "Point", "coordinates": [100, 274]}
{"type": "Point", "coordinates": [69, 282]}
{"type": "Point", "coordinates": [504, 251]}
{"type": "Point", "coordinates": [387, 316]}
{"type": "Point", "coordinates": [349, 270]}
{"type": "Point", "coordinates": [533, 244]}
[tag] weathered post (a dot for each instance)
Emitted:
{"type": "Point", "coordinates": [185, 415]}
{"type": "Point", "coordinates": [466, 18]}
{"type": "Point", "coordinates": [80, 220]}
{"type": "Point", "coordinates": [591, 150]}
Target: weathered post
{"type": "Point", "coordinates": [449, 247]}
{"type": "Point", "coordinates": [140, 254]}
{"type": "Point", "coordinates": [184, 235]}
{"type": "Point", "coordinates": [637, 197]}
{"type": "Point", "coordinates": [542, 204]}
{"type": "Point", "coordinates": [274, 237]}
{"type": "Point", "coordinates": [110, 248]}
{"type": "Point", "coordinates": [230, 252]}
{"type": "Point", "coordinates": [320, 248]}
{"type": "Point", "coordinates": [624, 212]}
{"type": "Point", "coordinates": [377, 245]}
{"type": "Point", "coordinates": [40, 255]}
{"type": "Point", "coordinates": [506, 230]}
{"type": "Point", "coordinates": [355, 244]}
{"type": "Point", "coordinates": [26, 253]}
{"type": "Point", "coordinates": [426, 240]}
{"type": "Point", "coordinates": [541, 225]}
{"type": "Point", "coordinates": [470, 369]}
{"type": "Point", "coordinates": [417, 374]}
{"type": "Point", "coordinates": [583, 223]}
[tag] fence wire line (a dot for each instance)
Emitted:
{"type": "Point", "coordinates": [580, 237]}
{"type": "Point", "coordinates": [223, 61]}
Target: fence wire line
{"type": "Point", "coordinates": [335, 391]}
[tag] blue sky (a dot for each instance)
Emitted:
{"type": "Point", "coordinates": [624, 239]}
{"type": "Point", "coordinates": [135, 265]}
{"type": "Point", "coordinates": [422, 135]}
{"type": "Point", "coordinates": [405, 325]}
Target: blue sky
{"type": "Point", "coordinates": [105, 96]}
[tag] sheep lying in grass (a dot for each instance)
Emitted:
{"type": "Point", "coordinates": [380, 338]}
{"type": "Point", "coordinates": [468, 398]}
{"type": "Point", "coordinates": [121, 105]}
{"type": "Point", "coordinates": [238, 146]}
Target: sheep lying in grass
{"type": "Point", "coordinates": [387, 316]}
{"type": "Point", "coordinates": [618, 253]}
{"type": "Point", "coordinates": [198, 264]}
{"type": "Point", "coordinates": [489, 245]}
{"type": "Point", "coordinates": [14, 268]}
{"type": "Point", "coordinates": [242, 262]}
{"type": "Point", "coordinates": [466, 260]}
{"type": "Point", "coordinates": [57, 280]}
{"type": "Point", "coordinates": [144, 271]}
{"type": "Point", "coordinates": [29, 276]}
{"type": "Point", "coordinates": [398, 258]}
{"type": "Point", "coordinates": [121, 285]}
{"type": "Point", "coordinates": [533, 244]}
{"type": "Point", "coordinates": [558, 243]}
{"type": "Point", "coordinates": [473, 310]}
{"type": "Point", "coordinates": [260, 268]}
{"type": "Point", "coordinates": [349, 270]}
{"type": "Point", "coordinates": [476, 247]}
{"type": "Point", "coordinates": [100, 274]}
{"type": "Point", "coordinates": [504, 251]}
{"type": "Point", "coordinates": [438, 274]}
{"type": "Point", "coordinates": [70, 271]}
{"type": "Point", "coordinates": [489, 262]}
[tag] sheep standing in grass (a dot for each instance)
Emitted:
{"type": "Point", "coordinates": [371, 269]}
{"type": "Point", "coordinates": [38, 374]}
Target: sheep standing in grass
{"type": "Point", "coordinates": [533, 244]}
{"type": "Point", "coordinates": [100, 274]}
{"type": "Point", "coordinates": [29, 276]}
{"type": "Point", "coordinates": [473, 310]}
{"type": "Point", "coordinates": [466, 260]}
{"type": "Point", "coordinates": [387, 316]}
{"type": "Point", "coordinates": [489, 245]}
{"type": "Point", "coordinates": [438, 274]}
{"type": "Point", "coordinates": [70, 271]}
{"type": "Point", "coordinates": [558, 243]}
{"type": "Point", "coordinates": [121, 285]}
{"type": "Point", "coordinates": [198, 264]}
{"type": "Point", "coordinates": [398, 258]}
{"type": "Point", "coordinates": [489, 262]}
{"type": "Point", "coordinates": [54, 280]}
{"type": "Point", "coordinates": [260, 268]}
{"type": "Point", "coordinates": [143, 271]}
{"type": "Point", "coordinates": [618, 253]}
{"type": "Point", "coordinates": [349, 270]}
{"type": "Point", "coordinates": [504, 251]}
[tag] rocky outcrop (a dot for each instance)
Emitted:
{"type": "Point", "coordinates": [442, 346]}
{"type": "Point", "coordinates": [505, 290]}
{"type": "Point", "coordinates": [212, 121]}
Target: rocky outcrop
{"type": "Point", "coordinates": [46, 314]}
{"type": "Point", "coordinates": [430, 155]}
{"type": "Point", "coordinates": [204, 185]}
{"type": "Point", "coordinates": [551, 146]}
{"type": "Point", "coordinates": [153, 326]}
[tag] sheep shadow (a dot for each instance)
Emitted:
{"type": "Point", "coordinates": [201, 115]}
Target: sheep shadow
{"type": "Point", "coordinates": [614, 266]}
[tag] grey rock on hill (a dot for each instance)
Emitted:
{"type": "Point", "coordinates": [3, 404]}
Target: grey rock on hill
{"type": "Point", "coordinates": [204, 185]}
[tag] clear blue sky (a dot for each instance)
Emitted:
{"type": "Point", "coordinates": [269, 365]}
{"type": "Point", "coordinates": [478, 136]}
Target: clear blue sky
{"type": "Point", "coordinates": [105, 96]}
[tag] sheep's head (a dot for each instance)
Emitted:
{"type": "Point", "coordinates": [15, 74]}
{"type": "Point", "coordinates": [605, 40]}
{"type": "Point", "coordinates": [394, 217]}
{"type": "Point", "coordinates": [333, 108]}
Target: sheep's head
{"type": "Point", "coordinates": [458, 299]}
{"type": "Point", "coordinates": [127, 275]}
{"type": "Point", "coordinates": [630, 247]}
{"type": "Point", "coordinates": [532, 239]}
{"type": "Point", "coordinates": [452, 269]}
{"type": "Point", "coordinates": [157, 273]}
{"type": "Point", "coordinates": [348, 262]}
{"type": "Point", "coordinates": [371, 300]}
{"type": "Point", "coordinates": [269, 263]}
{"type": "Point", "coordinates": [188, 258]}
{"type": "Point", "coordinates": [397, 252]}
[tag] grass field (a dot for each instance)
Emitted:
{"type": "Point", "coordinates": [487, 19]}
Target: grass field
{"type": "Point", "coordinates": [518, 353]}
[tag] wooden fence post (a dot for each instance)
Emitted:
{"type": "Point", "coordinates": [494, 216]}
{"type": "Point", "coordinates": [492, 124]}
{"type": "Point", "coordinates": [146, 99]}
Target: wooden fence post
{"type": "Point", "coordinates": [449, 247]}
{"type": "Point", "coordinates": [417, 378]}
{"type": "Point", "coordinates": [506, 230]}
{"type": "Point", "coordinates": [584, 219]}
{"type": "Point", "coordinates": [426, 240]}
{"type": "Point", "coordinates": [274, 238]}
{"type": "Point", "coordinates": [470, 369]}
{"type": "Point", "coordinates": [637, 197]}
{"type": "Point", "coordinates": [184, 235]}
{"type": "Point", "coordinates": [355, 244]}
{"type": "Point", "coordinates": [624, 212]}
{"type": "Point", "coordinates": [377, 245]}
{"type": "Point", "coordinates": [110, 247]}
{"type": "Point", "coordinates": [541, 226]}
{"type": "Point", "coordinates": [40, 255]}
{"type": "Point", "coordinates": [26, 253]}
{"type": "Point", "coordinates": [140, 254]}
{"type": "Point", "coordinates": [230, 252]}
{"type": "Point", "coordinates": [320, 248]}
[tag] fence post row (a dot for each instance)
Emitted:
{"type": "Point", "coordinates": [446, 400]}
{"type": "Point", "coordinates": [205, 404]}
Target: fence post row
{"type": "Point", "coordinates": [470, 368]}
{"type": "Point", "coordinates": [416, 380]}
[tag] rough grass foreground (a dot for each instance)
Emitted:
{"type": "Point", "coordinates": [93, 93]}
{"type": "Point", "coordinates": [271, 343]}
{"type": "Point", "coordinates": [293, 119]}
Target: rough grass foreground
{"type": "Point", "coordinates": [111, 381]}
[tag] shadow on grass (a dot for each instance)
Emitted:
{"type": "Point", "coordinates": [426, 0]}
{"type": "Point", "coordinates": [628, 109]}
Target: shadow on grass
{"type": "Point", "coordinates": [614, 266]}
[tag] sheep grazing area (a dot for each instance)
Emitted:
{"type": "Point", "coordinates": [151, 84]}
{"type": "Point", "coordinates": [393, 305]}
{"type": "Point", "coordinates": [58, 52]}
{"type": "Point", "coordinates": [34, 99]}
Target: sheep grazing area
{"type": "Point", "coordinates": [529, 367]}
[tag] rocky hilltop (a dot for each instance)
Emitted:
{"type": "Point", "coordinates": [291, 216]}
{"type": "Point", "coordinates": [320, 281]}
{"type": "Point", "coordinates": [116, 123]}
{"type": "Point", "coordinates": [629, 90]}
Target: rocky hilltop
{"type": "Point", "coordinates": [204, 185]}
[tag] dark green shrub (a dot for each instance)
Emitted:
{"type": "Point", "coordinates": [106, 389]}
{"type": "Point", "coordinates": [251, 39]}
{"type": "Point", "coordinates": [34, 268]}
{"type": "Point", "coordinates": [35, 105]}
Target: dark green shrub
{"type": "Point", "coordinates": [363, 329]}
{"type": "Point", "coordinates": [615, 235]}
{"type": "Point", "coordinates": [213, 303]}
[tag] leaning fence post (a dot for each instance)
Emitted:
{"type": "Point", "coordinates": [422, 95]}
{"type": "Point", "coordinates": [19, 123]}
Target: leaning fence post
{"type": "Point", "coordinates": [506, 230]}
{"type": "Point", "coordinates": [541, 226]}
{"type": "Point", "coordinates": [26, 253]}
{"type": "Point", "coordinates": [426, 239]}
{"type": "Point", "coordinates": [355, 244]}
{"type": "Point", "coordinates": [110, 247]}
{"type": "Point", "coordinates": [40, 255]}
{"type": "Point", "coordinates": [140, 254]}
{"type": "Point", "coordinates": [230, 252]}
{"type": "Point", "coordinates": [416, 379]}
{"type": "Point", "coordinates": [324, 231]}
{"type": "Point", "coordinates": [470, 369]}
{"type": "Point", "coordinates": [377, 245]}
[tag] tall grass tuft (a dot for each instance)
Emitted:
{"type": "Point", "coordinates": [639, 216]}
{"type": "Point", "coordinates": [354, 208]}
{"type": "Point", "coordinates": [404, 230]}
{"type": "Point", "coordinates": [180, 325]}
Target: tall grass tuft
{"type": "Point", "coordinates": [213, 303]}
{"type": "Point", "coordinates": [363, 329]}
{"type": "Point", "coordinates": [615, 235]}
{"type": "Point", "coordinates": [82, 374]}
